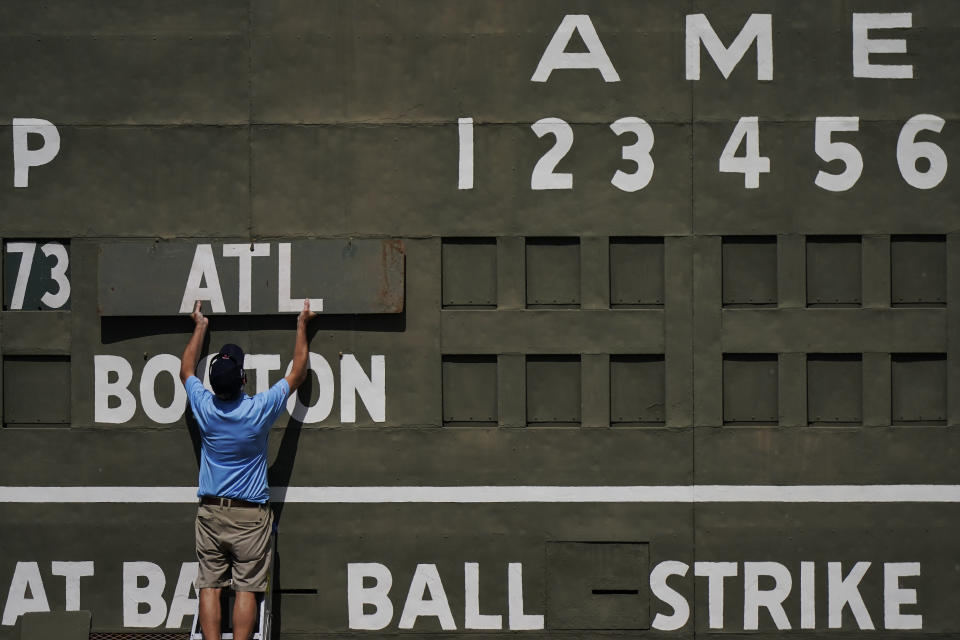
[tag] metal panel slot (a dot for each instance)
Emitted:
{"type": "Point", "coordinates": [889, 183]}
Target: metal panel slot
{"type": "Point", "coordinates": [469, 272]}
{"type": "Point", "coordinates": [23, 378]}
{"type": "Point", "coordinates": [835, 388]}
{"type": "Point", "coordinates": [636, 389]}
{"type": "Point", "coordinates": [636, 272]}
{"type": "Point", "coordinates": [593, 585]}
{"type": "Point", "coordinates": [750, 389]}
{"type": "Point", "coordinates": [750, 271]}
{"type": "Point", "coordinates": [834, 265]}
{"type": "Point", "coordinates": [553, 390]}
{"type": "Point", "coordinates": [918, 271]}
{"type": "Point", "coordinates": [469, 389]}
{"type": "Point", "coordinates": [919, 388]}
{"type": "Point", "coordinates": [553, 272]}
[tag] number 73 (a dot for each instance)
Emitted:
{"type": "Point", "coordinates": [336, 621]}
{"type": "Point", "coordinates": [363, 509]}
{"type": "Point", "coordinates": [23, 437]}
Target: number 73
{"type": "Point", "coordinates": [58, 273]}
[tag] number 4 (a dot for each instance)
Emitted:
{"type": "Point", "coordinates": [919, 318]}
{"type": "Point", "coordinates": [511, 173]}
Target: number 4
{"type": "Point", "coordinates": [751, 164]}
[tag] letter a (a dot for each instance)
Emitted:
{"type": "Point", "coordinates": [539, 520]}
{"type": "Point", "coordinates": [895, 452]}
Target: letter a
{"type": "Point", "coordinates": [556, 57]}
{"type": "Point", "coordinates": [203, 268]}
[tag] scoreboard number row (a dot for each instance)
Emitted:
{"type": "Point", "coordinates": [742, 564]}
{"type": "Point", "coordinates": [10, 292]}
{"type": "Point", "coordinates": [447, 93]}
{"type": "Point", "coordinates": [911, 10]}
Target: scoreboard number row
{"type": "Point", "coordinates": [741, 154]}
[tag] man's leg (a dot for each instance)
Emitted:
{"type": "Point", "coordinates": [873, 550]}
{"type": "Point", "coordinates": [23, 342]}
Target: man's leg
{"type": "Point", "coordinates": [210, 613]}
{"type": "Point", "coordinates": [244, 615]}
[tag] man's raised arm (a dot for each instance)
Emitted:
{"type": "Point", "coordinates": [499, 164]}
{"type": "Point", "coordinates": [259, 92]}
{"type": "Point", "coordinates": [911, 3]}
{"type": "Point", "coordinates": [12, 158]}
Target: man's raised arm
{"type": "Point", "coordinates": [298, 372]}
{"type": "Point", "coordinates": [188, 363]}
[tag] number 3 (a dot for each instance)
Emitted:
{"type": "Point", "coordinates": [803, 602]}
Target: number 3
{"type": "Point", "coordinates": [638, 152]}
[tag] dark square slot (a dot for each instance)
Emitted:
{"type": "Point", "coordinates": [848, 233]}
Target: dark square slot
{"type": "Point", "coordinates": [469, 389]}
{"type": "Point", "coordinates": [919, 388]}
{"type": "Point", "coordinates": [469, 272]}
{"type": "Point", "coordinates": [636, 389]}
{"type": "Point", "coordinates": [553, 390]}
{"type": "Point", "coordinates": [750, 271]}
{"type": "Point", "coordinates": [636, 272]}
{"type": "Point", "coordinates": [750, 386]}
{"type": "Point", "coordinates": [918, 271]}
{"type": "Point", "coordinates": [835, 388]}
{"type": "Point", "coordinates": [553, 272]}
{"type": "Point", "coordinates": [36, 390]}
{"type": "Point", "coordinates": [834, 264]}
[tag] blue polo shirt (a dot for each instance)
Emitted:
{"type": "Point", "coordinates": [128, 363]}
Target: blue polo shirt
{"type": "Point", "coordinates": [233, 455]}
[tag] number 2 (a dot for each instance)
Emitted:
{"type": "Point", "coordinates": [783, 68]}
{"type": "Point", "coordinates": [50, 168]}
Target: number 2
{"type": "Point", "coordinates": [543, 176]}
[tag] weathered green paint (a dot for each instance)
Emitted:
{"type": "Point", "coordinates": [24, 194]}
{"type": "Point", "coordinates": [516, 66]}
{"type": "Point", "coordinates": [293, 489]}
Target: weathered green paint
{"type": "Point", "coordinates": [527, 316]}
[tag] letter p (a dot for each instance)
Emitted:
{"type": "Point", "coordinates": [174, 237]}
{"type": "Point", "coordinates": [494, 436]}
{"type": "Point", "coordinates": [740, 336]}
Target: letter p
{"type": "Point", "coordinates": [23, 156]}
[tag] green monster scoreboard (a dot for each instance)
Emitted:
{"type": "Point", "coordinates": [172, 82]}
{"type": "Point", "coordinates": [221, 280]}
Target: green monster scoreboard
{"type": "Point", "coordinates": [637, 318]}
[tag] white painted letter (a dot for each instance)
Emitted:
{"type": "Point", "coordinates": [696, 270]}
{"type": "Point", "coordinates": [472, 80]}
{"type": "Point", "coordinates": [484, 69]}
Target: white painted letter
{"type": "Point", "coordinates": [808, 607]}
{"type": "Point", "coordinates": [556, 57]}
{"type": "Point", "coordinates": [772, 599]}
{"type": "Point", "coordinates": [23, 156]}
{"type": "Point", "coordinates": [262, 364]}
{"type": "Point", "coordinates": [151, 595]}
{"type": "Point", "coordinates": [519, 621]}
{"type": "Point", "coordinates": [715, 573]}
{"type": "Point", "coordinates": [246, 253]}
{"type": "Point", "coordinates": [103, 390]}
{"type": "Point", "coordinates": [894, 596]}
{"type": "Point", "coordinates": [377, 595]}
{"type": "Point", "coordinates": [26, 574]}
{"type": "Point", "coordinates": [670, 597]}
{"type": "Point", "coordinates": [319, 411]}
{"type": "Point", "coordinates": [758, 27]}
{"type": "Point", "coordinates": [372, 390]}
{"type": "Point", "coordinates": [863, 46]}
{"type": "Point", "coordinates": [72, 572]}
{"type": "Point", "coordinates": [426, 578]}
{"type": "Point", "coordinates": [472, 618]}
{"type": "Point", "coordinates": [162, 363]}
{"type": "Point", "coordinates": [284, 302]}
{"type": "Point", "coordinates": [842, 591]}
{"type": "Point", "coordinates": [203, 269]}
{"type": "Point", "coordinates": [182, 604]}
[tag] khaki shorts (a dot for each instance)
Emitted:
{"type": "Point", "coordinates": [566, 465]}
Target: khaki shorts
{"type": "Point", "coordinates": [233, 547]}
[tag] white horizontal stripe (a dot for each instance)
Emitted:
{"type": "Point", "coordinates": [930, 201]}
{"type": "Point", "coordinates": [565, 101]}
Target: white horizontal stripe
{"type": "Point", "coordinates": [891, 493]}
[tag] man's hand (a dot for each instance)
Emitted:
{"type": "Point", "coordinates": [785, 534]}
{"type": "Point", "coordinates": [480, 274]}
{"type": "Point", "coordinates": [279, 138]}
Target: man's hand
{"type": "Point", "coordinates": [305, 314]}
{"type": "Point", "coordinates": [298, 371]}
{"type": "Point", "coordinates": [198, 318]}
{"type": "Point", "coordinates": [192, 352]}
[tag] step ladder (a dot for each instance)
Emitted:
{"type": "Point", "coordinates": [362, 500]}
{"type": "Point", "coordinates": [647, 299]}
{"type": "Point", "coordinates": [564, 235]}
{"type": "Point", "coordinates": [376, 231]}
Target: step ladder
{"type": "Point", "coordinates": [262, 626]}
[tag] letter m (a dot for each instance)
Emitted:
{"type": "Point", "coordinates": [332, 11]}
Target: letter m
{"type": "Point", "coordinates": [759, 27]}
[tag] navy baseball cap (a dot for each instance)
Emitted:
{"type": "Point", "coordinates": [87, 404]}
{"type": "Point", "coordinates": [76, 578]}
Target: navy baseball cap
{"type": "Point", "coordinates": [226, 370]}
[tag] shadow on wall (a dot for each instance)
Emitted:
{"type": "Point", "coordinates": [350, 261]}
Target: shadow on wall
{"type": "Point", "coordinates": [115, 329]}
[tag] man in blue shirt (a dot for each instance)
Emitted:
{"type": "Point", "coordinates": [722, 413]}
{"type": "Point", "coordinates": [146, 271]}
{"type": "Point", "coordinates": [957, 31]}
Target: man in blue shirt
{"type": "Point", "coordinates": [234, 521]}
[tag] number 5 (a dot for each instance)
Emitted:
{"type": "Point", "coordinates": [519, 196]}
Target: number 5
{"type": "Point", "coordinates": [843, 151]}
